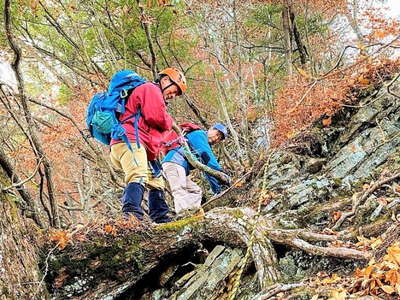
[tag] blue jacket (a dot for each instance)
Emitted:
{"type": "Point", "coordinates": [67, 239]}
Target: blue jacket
{"type": "Point", "coordinates": [198, 142]}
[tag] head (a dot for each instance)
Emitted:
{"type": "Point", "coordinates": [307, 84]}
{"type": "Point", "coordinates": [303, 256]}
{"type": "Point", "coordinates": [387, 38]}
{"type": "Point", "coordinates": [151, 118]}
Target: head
{"type": "Point", "coordinates": [172, 83]}
{"type": "Point", "coordinates": [217, 133]}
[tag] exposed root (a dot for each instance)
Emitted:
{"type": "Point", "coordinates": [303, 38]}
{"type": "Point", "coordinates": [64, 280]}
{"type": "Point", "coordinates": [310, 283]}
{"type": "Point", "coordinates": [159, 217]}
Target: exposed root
{"type": "Point", "coordinates": [391, 235]}
{"type": "Point", "coordinates": [278, 288]}
{"type": "Point", "coordinates": [359, 198]}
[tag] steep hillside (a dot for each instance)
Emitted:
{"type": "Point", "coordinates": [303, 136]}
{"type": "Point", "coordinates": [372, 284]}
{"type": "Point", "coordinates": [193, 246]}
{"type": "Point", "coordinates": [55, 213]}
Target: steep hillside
{"type": "Point", "coordinates": [315, 208]}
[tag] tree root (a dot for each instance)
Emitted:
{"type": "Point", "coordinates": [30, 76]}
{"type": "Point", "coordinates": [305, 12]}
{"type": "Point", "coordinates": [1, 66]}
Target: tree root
{"type": "Point", "coordinates": [291, 238]}
{"type": "Point", "coordinates": [278, 288]}
{"type": "Point", "coordinates": [391, 235]}
{"type": "Point", "coordinates": [359, 198]}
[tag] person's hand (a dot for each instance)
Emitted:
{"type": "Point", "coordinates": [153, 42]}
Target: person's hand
{"type": "Point", "coordinates": [228, 175]}
{"type": "Point", "coordinates": [228, 181]}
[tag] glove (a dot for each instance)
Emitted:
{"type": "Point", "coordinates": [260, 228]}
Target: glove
{"type": "Point", "coordinates": [229, 180]}
{"type": "Point", "coordinates": [221, 189]}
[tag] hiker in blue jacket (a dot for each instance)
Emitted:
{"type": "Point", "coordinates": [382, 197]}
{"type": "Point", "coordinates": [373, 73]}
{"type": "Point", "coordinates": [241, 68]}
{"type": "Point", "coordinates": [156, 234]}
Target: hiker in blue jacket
{"type": "Point", "coordinates": [186, 193]}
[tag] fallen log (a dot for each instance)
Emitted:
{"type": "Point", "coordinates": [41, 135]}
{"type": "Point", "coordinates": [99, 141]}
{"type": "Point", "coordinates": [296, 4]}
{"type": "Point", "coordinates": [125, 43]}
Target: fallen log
{"type": "Point", "coordinates": [113, 263]}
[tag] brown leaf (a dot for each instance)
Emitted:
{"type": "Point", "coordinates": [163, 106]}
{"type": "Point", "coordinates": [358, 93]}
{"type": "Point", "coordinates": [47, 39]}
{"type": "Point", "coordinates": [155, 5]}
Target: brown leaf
{"type": "Point", "coordinates": [387, 289]}
{"type": "Point", "coordinates": [58, 282]}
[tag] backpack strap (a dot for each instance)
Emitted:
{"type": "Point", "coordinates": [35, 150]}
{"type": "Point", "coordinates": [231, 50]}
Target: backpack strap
{"type": "Point", "coordinates": [136, 125]}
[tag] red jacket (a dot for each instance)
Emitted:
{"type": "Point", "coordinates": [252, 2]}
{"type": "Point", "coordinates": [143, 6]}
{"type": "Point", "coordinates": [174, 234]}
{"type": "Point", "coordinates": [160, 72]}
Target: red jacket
{"type": "Point", "coordinates": [154, 120]}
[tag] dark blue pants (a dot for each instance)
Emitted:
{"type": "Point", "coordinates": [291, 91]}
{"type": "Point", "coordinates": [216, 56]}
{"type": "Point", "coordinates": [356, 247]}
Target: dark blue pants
{"type": "Point", "coordinates": [158, 207]}
{"type": "Point", "coordinates": [132, 200]}
{"type": "Point", "coordinates": [132, 203]}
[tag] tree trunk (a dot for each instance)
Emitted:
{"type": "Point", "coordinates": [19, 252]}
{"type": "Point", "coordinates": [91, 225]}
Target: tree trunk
{"type": "Point", "coordinates": [19, 273]}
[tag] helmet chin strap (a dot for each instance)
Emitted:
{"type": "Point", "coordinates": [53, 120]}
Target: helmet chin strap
{"type": "Point", "coordinates": [163, 89]}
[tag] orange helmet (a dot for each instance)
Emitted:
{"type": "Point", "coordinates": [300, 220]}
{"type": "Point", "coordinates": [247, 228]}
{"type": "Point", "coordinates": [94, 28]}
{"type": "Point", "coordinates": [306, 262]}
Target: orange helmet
{"type": "Point", "coordinates": [176, 77]}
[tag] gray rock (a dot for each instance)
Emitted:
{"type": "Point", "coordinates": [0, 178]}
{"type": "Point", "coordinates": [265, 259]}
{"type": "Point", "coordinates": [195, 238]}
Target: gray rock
{"type": "Point", "coordinates": [207, 279]}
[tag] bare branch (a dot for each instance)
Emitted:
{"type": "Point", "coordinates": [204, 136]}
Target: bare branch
{"type": "Point", "coordinates": [20, 183]}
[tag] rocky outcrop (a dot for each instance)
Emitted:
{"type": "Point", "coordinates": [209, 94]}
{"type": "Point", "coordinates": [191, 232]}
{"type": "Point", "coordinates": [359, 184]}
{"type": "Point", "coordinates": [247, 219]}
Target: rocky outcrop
{"type": "Point", "coordinates": [362, 142]}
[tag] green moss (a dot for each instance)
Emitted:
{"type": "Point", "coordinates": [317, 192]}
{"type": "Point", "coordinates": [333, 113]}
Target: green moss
{"type": "Point", "coordinates": [337, 181]}
{"type": "Point", "coordinates": [237, 213]}
{"type": "Point", "coordinates": [176, 225]}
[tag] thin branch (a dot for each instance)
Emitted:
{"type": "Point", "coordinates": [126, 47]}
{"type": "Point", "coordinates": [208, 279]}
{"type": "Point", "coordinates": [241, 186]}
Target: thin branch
{"type": "Point", "coordinates": [195, 110]}
{"type": "Point", "coordinates": [145, 26]}
{"type": "Point", "coordinates": [390, 84]}
{"type": "Point", "coordinates": [278, 288]}
{"type": "Point", "coordinates": [19, 184]}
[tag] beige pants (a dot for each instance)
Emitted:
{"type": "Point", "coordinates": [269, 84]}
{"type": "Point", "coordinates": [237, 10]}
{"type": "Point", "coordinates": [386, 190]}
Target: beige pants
{"type": "Point", "coordinates": [186, 193]}
{"type": "Point", "coordinates": [134, 164]}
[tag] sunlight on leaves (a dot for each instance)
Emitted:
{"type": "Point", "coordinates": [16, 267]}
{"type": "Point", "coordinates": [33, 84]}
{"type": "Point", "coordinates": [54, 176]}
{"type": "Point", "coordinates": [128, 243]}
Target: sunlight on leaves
{"type": "Point", "coordinates": [61, 237]}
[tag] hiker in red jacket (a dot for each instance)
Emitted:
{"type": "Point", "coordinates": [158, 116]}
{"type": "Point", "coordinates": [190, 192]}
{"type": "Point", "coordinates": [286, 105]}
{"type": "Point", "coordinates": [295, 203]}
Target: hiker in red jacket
{"type": "Point", "coordinates": [145, 120]}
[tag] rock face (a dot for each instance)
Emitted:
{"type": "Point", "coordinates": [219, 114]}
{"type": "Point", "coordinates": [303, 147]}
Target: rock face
{"type": "Point", "coordinates": [315, 176]}
{"type": "Point", "coordinates": [209, 277]}
{"type": "Point", "coordinates": [360, 143]}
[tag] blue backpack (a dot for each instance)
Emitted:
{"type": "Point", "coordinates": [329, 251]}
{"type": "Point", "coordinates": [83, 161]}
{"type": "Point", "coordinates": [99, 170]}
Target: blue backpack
{"type": "Point", "coordinates": [105, 108]}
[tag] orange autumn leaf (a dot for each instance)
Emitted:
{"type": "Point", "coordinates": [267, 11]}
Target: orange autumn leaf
{"type": "Point", "coordinates": [380, 34]}
{"type": "Point", "coordinates": [61, 237]}
{"type": "Point", "coordinates": [363, 81]}
{"type": "Point", "coordinates": [303, 73]}
{"type": "Point", "coordinates": [109, 229]}
{"type": "Point", "coordinates": [393, 254]}
{"type": "Point", "coordinates": [336, 215]}
{"type": "Point", "coordinates": [392, 276]}
{"type": "Point", "coordinates": [327, 122]}
{"type": "Point", "coordinates": [367, 271]}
